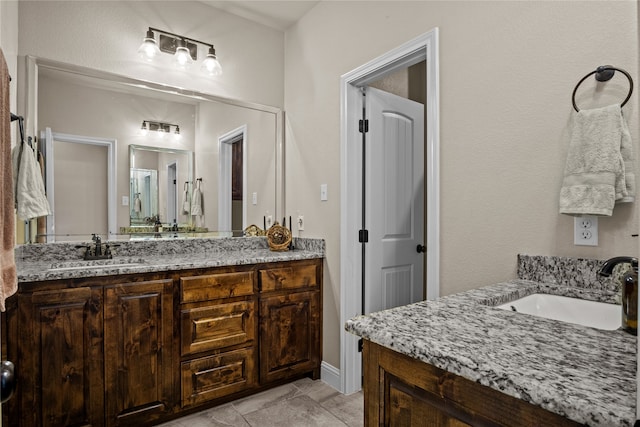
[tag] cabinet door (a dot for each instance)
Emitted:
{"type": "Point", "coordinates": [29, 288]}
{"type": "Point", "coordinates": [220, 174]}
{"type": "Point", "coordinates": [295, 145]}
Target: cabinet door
{"type": "Point", "coordinates": [289, 335]}
{"type": "Point", "coordinates": [138, 351]}
{"type": "Point", "coordinates": [60, 358]}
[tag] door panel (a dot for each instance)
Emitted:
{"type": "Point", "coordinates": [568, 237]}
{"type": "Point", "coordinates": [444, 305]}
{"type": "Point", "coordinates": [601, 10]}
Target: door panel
{"type": "Point", "coordinates": [394, 201]}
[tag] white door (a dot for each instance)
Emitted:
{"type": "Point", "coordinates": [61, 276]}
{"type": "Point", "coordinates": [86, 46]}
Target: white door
{"type": "Point", "coordinates": [395, 189]}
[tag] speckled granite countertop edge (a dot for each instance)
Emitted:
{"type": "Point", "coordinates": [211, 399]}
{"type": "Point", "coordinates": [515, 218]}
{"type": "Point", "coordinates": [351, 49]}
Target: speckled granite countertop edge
{"type": "Point", "coordinates": [34, 271]}
{"type": "Point", "coordinates": [584, 374]}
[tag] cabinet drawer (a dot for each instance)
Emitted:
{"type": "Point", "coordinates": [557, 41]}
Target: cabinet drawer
{"type": "Point", "coordinates": [215, 286]}
{"type": "Point", "coordinates": [217, 376]}
{"type": "Point", "coordinates": [274, 279]}
{"type": "Point", "coordinates": [217, 326]}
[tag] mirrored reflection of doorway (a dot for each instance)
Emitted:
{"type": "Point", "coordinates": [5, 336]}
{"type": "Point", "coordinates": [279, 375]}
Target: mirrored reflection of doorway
{"type": "Point", "coordinates": [172, 193]}
{"type": "Point", "coordinates": [232, 209]}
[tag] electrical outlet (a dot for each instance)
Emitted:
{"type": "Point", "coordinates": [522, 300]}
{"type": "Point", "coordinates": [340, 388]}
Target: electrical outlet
{"type": "Point", "coordinates": [585, 230]}
{"type": "Point", "coordinates": [300, 222]}
{"type": "Point", "coordinates": [254, 198]}
{"type": "Point", "coordinates": [269, 221]}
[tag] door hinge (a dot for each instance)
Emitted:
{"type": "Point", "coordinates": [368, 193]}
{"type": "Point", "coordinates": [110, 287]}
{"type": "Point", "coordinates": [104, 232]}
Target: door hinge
{"type": "Point", "coordinates": [363, 126]}
{"type": "Point", "coordinates": [363, 236]}
{"type": "Point", "coordinates": [360, 345]}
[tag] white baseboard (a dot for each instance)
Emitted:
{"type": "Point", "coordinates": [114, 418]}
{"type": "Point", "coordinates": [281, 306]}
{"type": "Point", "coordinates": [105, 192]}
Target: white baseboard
{"type": "Point", "coordinates": [330, 375]}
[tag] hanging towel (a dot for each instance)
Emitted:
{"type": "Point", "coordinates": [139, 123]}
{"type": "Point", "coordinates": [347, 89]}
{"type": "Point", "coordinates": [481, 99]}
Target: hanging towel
{"type": "Point", "coordinates": [186, 207]}
{"type": "Point", "coordinates": [8, 272]}
{"type": "Point", "coordinates": [595, 175]}
{"type": "Point", "coordinates": [31, 201]}
{"type": "Point", "coordinates": [196, 201]}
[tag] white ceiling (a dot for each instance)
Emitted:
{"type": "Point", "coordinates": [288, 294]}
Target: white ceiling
{"type": "Point", "coordinates": [275, 14]}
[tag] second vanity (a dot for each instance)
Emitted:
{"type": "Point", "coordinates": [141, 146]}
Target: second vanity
{"type": "Point", "coordinates": [142, 338]}
{"type": "Point", "coordinates": [461, 361]}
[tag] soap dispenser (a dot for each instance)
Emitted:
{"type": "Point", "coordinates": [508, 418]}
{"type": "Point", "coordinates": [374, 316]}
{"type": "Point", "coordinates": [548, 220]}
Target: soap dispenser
{"type": "Point", "coordinates": [629, 290]}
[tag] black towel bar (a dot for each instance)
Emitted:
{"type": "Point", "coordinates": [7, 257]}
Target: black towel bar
{"type": "Point", "coordinates": [603, 74]}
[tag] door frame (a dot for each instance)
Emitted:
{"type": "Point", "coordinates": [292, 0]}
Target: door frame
{"type": "Point", "coordinates": [49, 136]}
{"type": "Point", "coordinates": [424, 47]}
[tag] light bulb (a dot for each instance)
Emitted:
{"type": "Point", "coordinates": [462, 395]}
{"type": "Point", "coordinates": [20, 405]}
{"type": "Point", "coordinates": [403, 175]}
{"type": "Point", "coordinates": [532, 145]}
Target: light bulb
{"type": "Point", "coordinates": [143, 129]}
{"type": "Point", "coordinates": [182, 56]}
{"type": "Point", "coordinates": [210, 64]}
{"type": "Point", "coordinates": [148, 50]}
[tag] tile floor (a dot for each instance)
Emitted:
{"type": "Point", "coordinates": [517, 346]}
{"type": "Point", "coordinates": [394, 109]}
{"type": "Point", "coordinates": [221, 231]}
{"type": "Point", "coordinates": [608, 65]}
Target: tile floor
{"type": "Point", "coordinates": [303, 403]}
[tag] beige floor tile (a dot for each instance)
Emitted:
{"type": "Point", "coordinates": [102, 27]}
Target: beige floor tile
{"type": "Point", "coordinates": [265, 398]}
{"type": "Point", "coordinates": [317, 390]}
{"type": "Point", "coordinates": [349, 409]}
{"type": "Point", "coordinates": [296, 412]}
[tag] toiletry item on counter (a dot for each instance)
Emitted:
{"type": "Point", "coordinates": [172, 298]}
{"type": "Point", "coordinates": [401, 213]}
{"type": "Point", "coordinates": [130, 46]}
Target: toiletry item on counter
{"type": "Point", "coordinates": [629, 290]}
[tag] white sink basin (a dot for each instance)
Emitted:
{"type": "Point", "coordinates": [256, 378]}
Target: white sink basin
{"type": "Point", "coordinates": [96, 264]}
{"type": "Point", "coordinates": [597, 315]}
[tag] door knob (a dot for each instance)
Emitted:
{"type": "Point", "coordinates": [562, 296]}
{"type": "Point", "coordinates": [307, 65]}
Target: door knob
{"type": "Point", "coordinates": [421, 248]}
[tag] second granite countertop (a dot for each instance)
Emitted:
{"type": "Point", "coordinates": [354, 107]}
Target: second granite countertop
{"type": "Point", "coordinates": [581, 373]}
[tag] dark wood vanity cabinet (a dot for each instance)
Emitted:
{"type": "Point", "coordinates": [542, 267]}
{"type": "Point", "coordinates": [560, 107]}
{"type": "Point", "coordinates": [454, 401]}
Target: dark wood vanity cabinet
{"type": "Point", "coordinates": [59, 358]}
{"type": "Point", "coordinates": [142, 348]}
{"type": "Point", "coordinates": [218, 323]}
{"type": "Point", "coordinates": [290, 321]}
{"type": "Point", "coordinates": [138, 345]}
{"type": "Point", "coordinates": [402, 391]}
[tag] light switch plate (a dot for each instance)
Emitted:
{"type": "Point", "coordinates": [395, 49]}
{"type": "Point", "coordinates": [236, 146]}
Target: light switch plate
{"type": "Point", "coordinates": [323, 192]}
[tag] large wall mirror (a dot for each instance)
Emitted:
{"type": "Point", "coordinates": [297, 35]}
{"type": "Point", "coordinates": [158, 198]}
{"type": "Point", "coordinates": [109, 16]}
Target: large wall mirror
{"type": "Point", "coordinates": [186, 160]}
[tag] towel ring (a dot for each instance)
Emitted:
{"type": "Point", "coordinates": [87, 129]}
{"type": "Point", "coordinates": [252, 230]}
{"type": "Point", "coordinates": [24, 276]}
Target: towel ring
{"type": "Point", "coordinates": [603, 74]}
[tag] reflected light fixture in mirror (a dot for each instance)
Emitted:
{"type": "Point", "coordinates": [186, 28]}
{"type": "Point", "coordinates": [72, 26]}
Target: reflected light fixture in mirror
{"type": "Point", "coordinates": [184, 49]}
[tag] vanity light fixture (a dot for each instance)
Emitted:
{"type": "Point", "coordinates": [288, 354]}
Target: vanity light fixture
{"type": "Point", "coordinates": [162, 127]}
{"type": "Point", "coordinates": [184, 49]}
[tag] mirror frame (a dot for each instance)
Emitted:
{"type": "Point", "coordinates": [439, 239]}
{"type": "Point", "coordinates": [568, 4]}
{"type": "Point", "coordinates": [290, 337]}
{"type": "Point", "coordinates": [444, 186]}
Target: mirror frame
{"type": "Point", "coordinates": [33, 64]}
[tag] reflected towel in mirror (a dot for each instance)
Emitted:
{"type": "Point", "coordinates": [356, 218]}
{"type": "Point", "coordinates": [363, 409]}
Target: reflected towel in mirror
{"type": "Point", "coordinates": [196, 201]}
{"type": "Point", "coordinates": [186, 207]}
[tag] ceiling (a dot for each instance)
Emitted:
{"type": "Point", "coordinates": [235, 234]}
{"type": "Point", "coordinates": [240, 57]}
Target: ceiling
{"type": "Point", "coordinates": [275, 14]}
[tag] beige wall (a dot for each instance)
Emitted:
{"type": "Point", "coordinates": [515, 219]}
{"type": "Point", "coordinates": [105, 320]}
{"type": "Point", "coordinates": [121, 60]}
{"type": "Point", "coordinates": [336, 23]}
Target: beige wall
{"type": "Point", "coordinates": [507, 72]}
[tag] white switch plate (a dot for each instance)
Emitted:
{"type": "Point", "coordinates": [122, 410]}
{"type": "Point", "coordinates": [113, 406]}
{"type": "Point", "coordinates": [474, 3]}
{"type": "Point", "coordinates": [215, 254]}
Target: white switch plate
{"type": "Point", "coordinates": [269, 221]}
{"type": "Point", "coordinates": [323, 192]}
{"type": "Point", "coordinates": [254, 198]}
{"type": "Point", "coordinates": [585, 230]}
{"type": "Point", "coordinates": [300, 222]}
{"type": "Point", "coordinates": [125, 200]}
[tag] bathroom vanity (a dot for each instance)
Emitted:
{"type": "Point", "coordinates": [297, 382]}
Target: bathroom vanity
{"type": "Point", "coordinates": [140, 340]}
{"type": "Point", "coordinates": [460, 360]}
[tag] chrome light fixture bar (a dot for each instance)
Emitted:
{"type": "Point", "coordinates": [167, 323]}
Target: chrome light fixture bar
{"type": "Point", "coordinates": [185, 50]}
{"type": "Point", "coordinates": [148, 125]}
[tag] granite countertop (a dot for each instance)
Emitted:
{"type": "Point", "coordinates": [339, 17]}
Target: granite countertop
{"type": "Point", "coordinates": [35, 262]}
{"type": "Point", "coordinates": [582, 373]}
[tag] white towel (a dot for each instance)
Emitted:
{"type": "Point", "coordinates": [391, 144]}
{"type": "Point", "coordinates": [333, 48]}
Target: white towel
{"type": "Point", "coordinates": [596, 174]}
{"type": "Point", "coordinates": [31, 201]}
{"type": "Point", "coordinates": [196, 201]}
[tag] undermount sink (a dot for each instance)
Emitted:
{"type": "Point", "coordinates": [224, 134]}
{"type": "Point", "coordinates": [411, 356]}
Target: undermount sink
{"type": "Point", "coordinates": [96, 264]}
{"type": "Point", "coordinates": [597, 315]}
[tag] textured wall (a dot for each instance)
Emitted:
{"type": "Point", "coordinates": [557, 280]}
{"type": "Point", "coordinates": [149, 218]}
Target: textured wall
{"type": "Point", "coordinates": [507, 73]}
